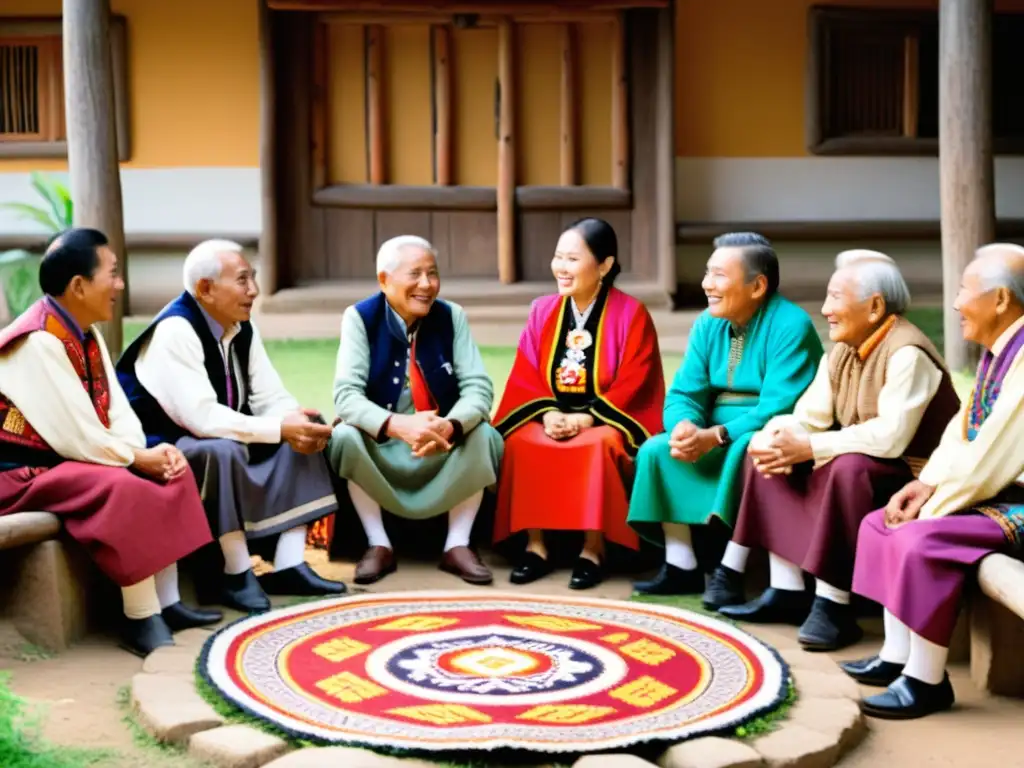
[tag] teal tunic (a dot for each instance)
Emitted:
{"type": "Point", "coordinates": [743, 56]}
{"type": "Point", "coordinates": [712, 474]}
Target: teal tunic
{"type": "Point", "coordinates": [739, 378]}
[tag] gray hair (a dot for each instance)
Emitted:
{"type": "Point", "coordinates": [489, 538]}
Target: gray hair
{"type": "Point", "coordinates": [389, 257]}
{"type": "Point", "coordinates": [878, 274]}
{"type": "Point", "coordinates": [1002, 266]}
{"type": "Point", "coordinates": [204, 262]}
{"type": "Point", "coordinates": [759, 258]}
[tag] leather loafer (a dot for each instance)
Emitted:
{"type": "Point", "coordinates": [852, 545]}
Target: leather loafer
{"type": "Point", "coordinates": [242, 591]}
{"type": "Point", "coordinates": [672, 580]}
{"type": "Point", "coordinates": [872, 671]}
{"type": "Point", "coordinates": [143, 636]}
{"type": "Point", "coordinates": [464, 563]}
{"type": "Point", "coordinates": [530, 568]}
{"type": "Point", "coordinates": [774, 606]}
{"type": "Point", "coordinates": [586, 574]}
{"type": "Point", "coordinates": [375, 564]}
{"type": "Point", "coordinates": [909, 698]}
{"type": "Point", "coordinates": [725, 587]}
{"type": "Point", "coordinates": [300, 580]}
{"type": "Point", "coordinates": [829, 627]}
{"type": "Point", "coordinates": [180, 616]}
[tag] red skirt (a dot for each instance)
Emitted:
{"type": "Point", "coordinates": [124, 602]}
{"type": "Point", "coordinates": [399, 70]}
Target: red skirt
{"type": "Point", "coordinates": [579, 484]}
{"type": "Point", "coordinates": [130, 526]}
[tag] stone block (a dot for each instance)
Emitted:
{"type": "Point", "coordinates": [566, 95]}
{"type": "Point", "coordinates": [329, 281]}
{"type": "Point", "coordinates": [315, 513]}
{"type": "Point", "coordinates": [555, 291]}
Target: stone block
{"type": "Point", "coordinates": [236, 746]}
{"type": "Point", "coordinates": [193, 639]}
{"type": "Point", "coordinates": [23, 528]}
{"type": "Point", "coordinates": [611, 761]}
{"type": "Point", "coordinates": [797, 658]}
{"type": "Point", "coordinates": [796, 746]}
{"type": "Point", "coordinates": [169, 708]}
{"type": "Point", "coordinates": [839, 719]}
{"type": "Point", "coordinates": [997, 635]}
{"type": "Point", "coordinates": [711, 752]}
{"type": "Point", "coordinates": [343, 757]}
{"type": "Point", "coordinates": [175, 660]}
{"type": "Point", "coordinates": [825, 685]}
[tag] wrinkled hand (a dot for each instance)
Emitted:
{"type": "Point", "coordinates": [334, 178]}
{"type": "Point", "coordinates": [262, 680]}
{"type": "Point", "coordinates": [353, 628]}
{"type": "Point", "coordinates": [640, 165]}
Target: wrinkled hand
{"type": "Point", "coordinates": [688, 443]}
{"type": "Point", "coordinates": [425, 432]}
{"type": "Point", "coordinates": [906, 504]}
{"type": "Point", "coordinates": [560, 426]}
{"type": "Point", "coordinates": [780, 452]}
{"type": "Point", "coordinates": [162, 462]}
{"type": "Point", "coordinates": [305, 431]}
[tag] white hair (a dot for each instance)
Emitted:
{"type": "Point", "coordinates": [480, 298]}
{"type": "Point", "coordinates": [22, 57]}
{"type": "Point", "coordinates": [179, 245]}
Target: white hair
{"type": "Point", "coordinates": [877, 273]}
{"type": "Point", "coordinates": [204, 262]}
{"type": "Point", "coordinates": [1002, 266]}
{"type": "Point", "coordinates": [389, 257]}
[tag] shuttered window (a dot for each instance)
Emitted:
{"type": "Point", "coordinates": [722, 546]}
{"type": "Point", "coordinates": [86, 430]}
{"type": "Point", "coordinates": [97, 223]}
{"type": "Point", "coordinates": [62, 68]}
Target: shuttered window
{"type": "Point", "coordinates": [31, 89]}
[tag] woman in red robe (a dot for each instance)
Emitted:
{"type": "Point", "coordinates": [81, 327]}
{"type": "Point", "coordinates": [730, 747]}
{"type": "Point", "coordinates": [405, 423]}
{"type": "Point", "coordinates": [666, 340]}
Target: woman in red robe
{"type": "Point", "coordinates": [585, 391]}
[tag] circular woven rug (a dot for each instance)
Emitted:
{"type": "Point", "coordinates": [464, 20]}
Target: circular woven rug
{"type": "Point", "coordinates": [454, 671]}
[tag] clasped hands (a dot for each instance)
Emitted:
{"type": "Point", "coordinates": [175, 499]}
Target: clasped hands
{"type": "Point", "coordinates": [688, 442]}
{"type": "Point", "coordinates": [305, 431]}
{"type": "Point", "coordinates": [906, 504]}
{"type": "Point", "coordinates": [163, 462]}
{"type": "Point", "coordinates": [778, 451]}
{"type": "Point", "coordinates": [561, 426]}
{"type": "Point", "coordinates": [424, 431]}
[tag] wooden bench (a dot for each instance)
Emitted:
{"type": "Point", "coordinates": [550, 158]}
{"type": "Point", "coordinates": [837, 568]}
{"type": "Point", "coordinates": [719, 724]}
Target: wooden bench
{"type": "Point", "coordinates": [46, 580]}
{"type": "Point", "coordinates": [997, 626]}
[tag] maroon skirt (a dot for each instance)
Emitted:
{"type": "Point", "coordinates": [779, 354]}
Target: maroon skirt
{"type": "Point", "coordinates": [132, 527]}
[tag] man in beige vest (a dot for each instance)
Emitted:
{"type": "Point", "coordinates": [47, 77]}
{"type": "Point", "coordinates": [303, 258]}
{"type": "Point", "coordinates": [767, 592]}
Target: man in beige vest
{"type": "Point", "coordinates": [869, 420]}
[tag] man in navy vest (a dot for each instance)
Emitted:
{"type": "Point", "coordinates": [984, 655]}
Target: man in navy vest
{"type": "Point", "coordinates": [414, 398]}
{"type": "Point", "coordinates": [199, 377]}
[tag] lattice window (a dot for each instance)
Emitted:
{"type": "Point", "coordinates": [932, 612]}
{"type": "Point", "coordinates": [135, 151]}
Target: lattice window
{"type": "Point", "coordinates": [31, 89]}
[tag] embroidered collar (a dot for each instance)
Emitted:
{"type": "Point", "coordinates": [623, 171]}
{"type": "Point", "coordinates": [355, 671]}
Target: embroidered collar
{"type": "Point", "coordinates": [871, 344]}
{"type": "Point", "coordinates": [66, 316]}
{"type": "Point", "coordinates": [1005, 336]}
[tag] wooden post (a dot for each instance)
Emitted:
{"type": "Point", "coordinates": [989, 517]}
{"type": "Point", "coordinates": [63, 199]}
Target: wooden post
{"type": "Point", "coordinates": [620, 106]}
{"type": "Point", "coordinates": [965, 152]}
{"type": "Point", "coordinates": [911, 97]}
{"type": "Point", "coordinates": [268, 250]}
{"type": "Point", "coordinates": [568, 111]}
{"type": "Point", "coordinates": [319, 112]}
{"type": "Point", "coordinates": [443, 106]}
{"type": "Point", "coordinates": [665, 148]}
{"type": "Point", "coordinates": [506, 155]}
{"type": "Point", "coordinates": [92, 135]}
{"type": "Point", "coordinates": [375, 101]}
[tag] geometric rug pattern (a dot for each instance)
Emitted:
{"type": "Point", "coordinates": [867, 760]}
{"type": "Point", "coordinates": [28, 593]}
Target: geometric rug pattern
{"type": "Point", "coordinates": [457, 671]}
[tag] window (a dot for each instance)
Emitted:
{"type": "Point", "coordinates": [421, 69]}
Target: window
{"type": "Point", "coordinates": [873, 82]}
{"type": "Point", "coordinates": [32, 123]}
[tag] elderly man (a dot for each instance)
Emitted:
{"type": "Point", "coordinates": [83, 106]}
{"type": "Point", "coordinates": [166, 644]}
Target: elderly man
{"type": "Point", "coordinates": [414, 397]}
{"type": "Point", "coordinates": [870, 419]}
{"type": "Point", "coordinates": [70, 444]}
{"type": "Point", "coordinates": [750, 356]}
{"type": "Point", "coordinates": [914, 556]}
{"type": "Point", "coordinates": [200, 377]}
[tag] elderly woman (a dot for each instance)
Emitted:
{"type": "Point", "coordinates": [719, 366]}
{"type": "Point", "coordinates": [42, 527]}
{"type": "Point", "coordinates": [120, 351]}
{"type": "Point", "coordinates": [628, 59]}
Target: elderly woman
{"type": "Point", "coordinates": [750, 356]}
{"type": "Point", "coordinates": [586, 390]}
{"type": "Point", "coordinates": [968, 502]}
{"type": "Point", "coordinates": [871, 418]}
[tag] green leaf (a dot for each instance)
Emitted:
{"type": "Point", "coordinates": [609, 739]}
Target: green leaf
{"type": "Point", "coordinates": [26, 211]}
{"type": "Point", "coordinates": [12, 257]}
{"type": "Point", "coordinates": [56, 196]}
{"type": "Point", "coordinates": [20, 284]}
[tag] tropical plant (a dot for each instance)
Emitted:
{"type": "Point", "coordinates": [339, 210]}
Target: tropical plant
{"type": "Point", "coordinates": [19, 269]}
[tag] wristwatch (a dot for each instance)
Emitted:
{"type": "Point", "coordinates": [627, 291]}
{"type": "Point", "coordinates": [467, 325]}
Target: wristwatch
{"type": "Point", "coordinates": [723, 435]}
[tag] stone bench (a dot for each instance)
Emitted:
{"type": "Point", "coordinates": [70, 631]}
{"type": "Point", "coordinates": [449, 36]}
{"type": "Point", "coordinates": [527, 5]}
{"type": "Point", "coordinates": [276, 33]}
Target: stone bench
{"type": "Point", "coordinates": [45, 580]}
{"type": "Point", "coordinates": [997, 626]}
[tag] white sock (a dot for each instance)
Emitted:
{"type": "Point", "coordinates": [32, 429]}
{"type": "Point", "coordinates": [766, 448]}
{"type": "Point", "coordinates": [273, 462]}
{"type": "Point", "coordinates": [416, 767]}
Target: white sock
{"type": "Point", "coordinates": [291, 548]}
{"type": "Point", "coordinates": [735, 557]}
{"type": "Point", "coordinates": [140, 599]}
{"type": "Point", "coordinates": [927, 661]}
{"type": "Point", "coordinates": [833, 594]}
{"type": "Point", "coordinates": [369, 515]}
{"type": "Point", "coordinates": [896, 647]}
{"type": "Point", "coordinates": [679, 546]}
{"type": "Point", "coordinates": [460, 521]}
{"type": "Point", "coordinates": [236, 553]}
{"type": "Point", "coordinates": [784, 574]}
{"type": "Point", "coordinates": [167, 586]}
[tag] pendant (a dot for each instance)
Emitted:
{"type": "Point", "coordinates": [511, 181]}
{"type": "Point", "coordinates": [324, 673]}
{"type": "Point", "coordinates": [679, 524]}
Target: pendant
{"type": "Point", "coordinates": [579, 339]}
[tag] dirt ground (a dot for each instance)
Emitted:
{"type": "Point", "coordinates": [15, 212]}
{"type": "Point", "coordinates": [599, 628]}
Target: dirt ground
{"type": "Point", "coordinates": [83, 689]}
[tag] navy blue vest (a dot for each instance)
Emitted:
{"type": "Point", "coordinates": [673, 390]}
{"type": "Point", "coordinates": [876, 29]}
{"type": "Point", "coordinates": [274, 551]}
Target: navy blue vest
{"type": "Point", "coordinates": [389, 351]}
{"type": "Point", "coordinates": [157, 425]}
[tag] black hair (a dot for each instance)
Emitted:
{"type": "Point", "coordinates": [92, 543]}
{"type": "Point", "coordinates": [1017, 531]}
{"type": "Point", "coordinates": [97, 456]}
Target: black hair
{"type": "Point", "coordinates": [600, 238]}
{"type": "Point", "coordinates": [70, 254]}
{"type": "Point", "coordinates": [759, 258]}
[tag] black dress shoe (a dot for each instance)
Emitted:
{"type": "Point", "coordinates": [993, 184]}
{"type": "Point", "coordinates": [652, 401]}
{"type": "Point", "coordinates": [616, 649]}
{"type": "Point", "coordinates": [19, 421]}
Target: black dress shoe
{"type": "Point", "coordinates": [242, 591]}
{"type": "Point", "coordinates": [829, 626]}
{"type": "Point", "coordinates": [586, 574]}
{"type": "Point", "coordinates": [143, 636]}
{"type": "Point", "coordinates": [909, 698]}
{"type": "Point", "coordinates": [774, 606]}
{"type": "Point", "coordinates": [872, 671]}
{"type": "Point", "coordinates": [672, 580]}
{"type": "Point", "coordinates": [300, 580]}
{"type": "Point", "coordinates": [530, 567]}
{"type": "Point", "coordinates": [725, 587]}
{"type": "Point", "coordinates": [179, 616]}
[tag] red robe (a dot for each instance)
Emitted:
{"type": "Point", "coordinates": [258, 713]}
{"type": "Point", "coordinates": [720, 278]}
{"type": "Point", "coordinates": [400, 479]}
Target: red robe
{"type": "Point", "coordinates": [622, 387]}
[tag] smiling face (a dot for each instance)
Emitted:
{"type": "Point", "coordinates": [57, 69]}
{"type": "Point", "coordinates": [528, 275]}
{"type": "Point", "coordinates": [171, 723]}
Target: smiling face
{"type": "Point", "coordinates": [730, 296]}
{"type": "Point", "coordinates": [851, 319]}
{"type": "Point", "coordinates": [577, 271]}
{"type": "Point", "coordinates": [980, 318]}
{"type": "Point", "coordinates": [413, 285]}
{"type": "Point", "coordinates": [229, 298]}
{"type": "Point", "coordinates": [93, 298]}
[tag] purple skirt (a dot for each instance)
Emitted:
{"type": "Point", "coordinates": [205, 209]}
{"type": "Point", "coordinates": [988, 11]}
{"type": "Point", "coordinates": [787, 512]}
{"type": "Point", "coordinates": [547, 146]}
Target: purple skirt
{"type": "Point", "coordinates": [812, 518]}
{"type": "Point", "coordinates": [918, 570]}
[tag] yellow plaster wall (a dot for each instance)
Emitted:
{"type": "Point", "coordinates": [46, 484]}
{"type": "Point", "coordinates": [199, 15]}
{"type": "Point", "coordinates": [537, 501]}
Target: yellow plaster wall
{"type": "Point", "coordinates": [474, 72]}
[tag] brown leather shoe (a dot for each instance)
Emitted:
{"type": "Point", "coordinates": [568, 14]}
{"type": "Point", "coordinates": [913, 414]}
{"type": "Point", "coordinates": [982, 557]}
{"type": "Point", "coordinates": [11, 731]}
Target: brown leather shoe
{"type": "Point", "coordinates": [463, 562]}
{"type": "Point", "coordinates": [375, 564]}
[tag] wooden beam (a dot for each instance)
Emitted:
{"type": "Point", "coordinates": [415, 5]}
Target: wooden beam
{"type": "Point", "coordinates": [454, 6]}
{"type": "Point", "coordinates": [319, 121]}
{"type": "Point", "coordinates": [269, 168]}
{"type": "Point", "coordinates": [481, 20]}
{"type": "Point", "coordinates": [966, 174]}
{"type": "Point", "coordinates": [568, 106]}
{"type": "Point", "coordinates": [442, 106]}
{"type": "Point", "coordinates": [375, 103]}
{"type": "Point", "coordinates": [538, 198]}
{"type": "Point", "coordinates": [911, 95]}
{"type": "Point", "coordinates": [506, 155]}
{"type": "Point", "coordinates": [703, 232]}
{"type": "Point", "coordinates": [407, 197]}
{"type": "Point", "coordinates": [620, 106]}
{"type": "Point", "coordinates": [92, 136]}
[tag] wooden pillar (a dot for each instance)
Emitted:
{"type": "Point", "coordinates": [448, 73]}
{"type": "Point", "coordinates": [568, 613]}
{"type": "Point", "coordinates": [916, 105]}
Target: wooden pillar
{"type": "Point", "coordinates": [442, 106]}
{"type": "Point", "coordinates": [965, 152]}
{"type": "Point", "coordinates": [319, 108]}
{"type": "Point", "coordinates": [92, 135]}
{"type": "Point", "coordinates": [665, 183]}
{"type": "Point", "coordinates": [568, 106]}
{"type": "Point", "coordinates": [506, 154]}
{"type": "Point", "coordinates": [620, 106]}
{"type": "Point", "coordinates": [375, 102]}
{"type": "Point", "coordinates": [268, 244]}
